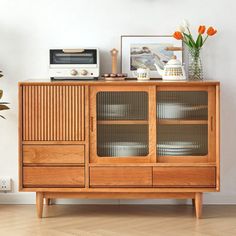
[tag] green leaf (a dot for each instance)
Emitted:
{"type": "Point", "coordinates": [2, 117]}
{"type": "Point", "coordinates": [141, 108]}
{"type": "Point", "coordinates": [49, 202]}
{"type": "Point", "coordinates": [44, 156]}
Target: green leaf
{"type": "Point", "coordinates": [3, 107]}
{"type": "Point", "coordinates": [190, 40]}
{"type": "Point", "coordinates": [199, 41]}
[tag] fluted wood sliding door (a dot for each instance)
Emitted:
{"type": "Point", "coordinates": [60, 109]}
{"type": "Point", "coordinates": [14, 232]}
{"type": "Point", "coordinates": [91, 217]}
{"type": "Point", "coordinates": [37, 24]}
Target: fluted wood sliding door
{"type": "Point", "coordinates": [53, 113]}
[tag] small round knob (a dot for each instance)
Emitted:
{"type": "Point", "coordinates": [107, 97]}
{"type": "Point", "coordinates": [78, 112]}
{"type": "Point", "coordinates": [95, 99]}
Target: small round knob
{"type": "Point", "coordinates": [84, 72]}
{"type": "Point", "coordinates": [74, 72]}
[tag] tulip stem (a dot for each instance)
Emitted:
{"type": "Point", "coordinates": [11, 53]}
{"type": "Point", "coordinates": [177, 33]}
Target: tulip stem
{"type": "Point", "coordinates": [205, 39]}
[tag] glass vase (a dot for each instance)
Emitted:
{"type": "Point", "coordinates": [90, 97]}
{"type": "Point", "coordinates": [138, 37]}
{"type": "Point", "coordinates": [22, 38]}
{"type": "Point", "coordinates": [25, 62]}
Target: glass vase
{"type": "Point", "coordinates": [195, 64]}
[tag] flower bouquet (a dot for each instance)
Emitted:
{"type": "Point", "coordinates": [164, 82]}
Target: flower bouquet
{"type": "Point", "coordinates": [194, 46]}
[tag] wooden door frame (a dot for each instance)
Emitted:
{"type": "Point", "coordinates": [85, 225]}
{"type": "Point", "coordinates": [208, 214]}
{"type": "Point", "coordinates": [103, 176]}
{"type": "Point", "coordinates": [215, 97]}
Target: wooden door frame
{"type": "Point", "coordinates": [210, 157]}
{"type": "Point", "coordinates": [151, 157]}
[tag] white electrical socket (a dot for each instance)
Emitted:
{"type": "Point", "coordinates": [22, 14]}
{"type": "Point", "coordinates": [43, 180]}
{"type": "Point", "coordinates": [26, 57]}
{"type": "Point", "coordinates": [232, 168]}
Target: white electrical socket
{"type": "Point", "coordinates": [5, 184]}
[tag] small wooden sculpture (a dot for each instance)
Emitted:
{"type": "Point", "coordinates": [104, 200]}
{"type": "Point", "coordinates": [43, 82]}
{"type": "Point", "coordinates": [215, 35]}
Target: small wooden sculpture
{"type": "Point", "coordinates": [114, 75]}
{"type": "Point", "coordinates": [114, 53]}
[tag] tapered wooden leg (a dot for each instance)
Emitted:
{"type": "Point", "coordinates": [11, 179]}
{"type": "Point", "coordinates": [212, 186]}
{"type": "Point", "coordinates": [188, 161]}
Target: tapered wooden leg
{"type": "Point", "coordinates": [39, 204]}
{"type": "Point", "coordinates": [198, 205]}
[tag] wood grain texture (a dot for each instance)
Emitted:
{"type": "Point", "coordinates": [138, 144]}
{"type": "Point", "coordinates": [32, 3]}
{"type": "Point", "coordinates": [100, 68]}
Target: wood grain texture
{"type": "Point", "coordinates": [218, 137]}
{"type": "Point", "coordinates": [113, 195]}
{"type": "Point", "coordinates": [53, 113]}
{"type": "Point", "coordinates": [184, 177]}
{"type": "Point", "coordinates": [198, 205]}
{"type": "Point", "coordinates": [56, 115]}
{"type": "Point", "coordinates": [133, 82]}
{"type": "Point", "coordinates": [212, 124]}
{"type": "Point", "coordinates": [20, 125]}
{"type": "Point", "coordinates": [48, 154]}
{"type": "Point", "coordinates": [39, 204]}
{"type": "Point", "coordinates": [120, 176]}
{"type": "Point", "coordinates": [135, 189]}
{"type": "Point", "coordinates": [53, 176]}
{"type": "Point", "coordinates": [117, 220]}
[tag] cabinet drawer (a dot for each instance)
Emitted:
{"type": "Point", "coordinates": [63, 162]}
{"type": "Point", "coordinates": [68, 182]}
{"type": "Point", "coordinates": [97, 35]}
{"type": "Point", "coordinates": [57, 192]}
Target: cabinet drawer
{"type": "Point", "coordinates": [121, 176]}
{"type": "Point", "coordinates": [57, 154]}
{"type": "Point", "coordinates": [184, 177]}
{"type": "Point", "coordinates": [53, 176]}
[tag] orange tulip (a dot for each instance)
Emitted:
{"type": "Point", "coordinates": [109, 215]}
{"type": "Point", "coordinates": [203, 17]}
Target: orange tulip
{"type": "Point", "coordinates": [201, 29]}
{"type": "Point", "coordinates": [178, 35]}
{"type": "Point", "coordinates": [211, 31]}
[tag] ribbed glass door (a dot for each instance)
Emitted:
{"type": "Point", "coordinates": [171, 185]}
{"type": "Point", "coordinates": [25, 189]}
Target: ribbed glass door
{"type": "Point", "coordinates": [182, 124]}
{"type": "Point", "coordinates": [122, 124]}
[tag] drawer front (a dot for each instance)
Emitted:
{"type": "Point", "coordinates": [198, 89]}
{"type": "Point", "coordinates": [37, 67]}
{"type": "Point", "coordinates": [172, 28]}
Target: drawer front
{"type": "Point", "coordinates": [53, 177]}
{"type": "Point", "coordinates": [53, 154]}
{"type": "Point", "coordinates": [121, 176]}
{"type": "Point", "coordinates": [184, 177]}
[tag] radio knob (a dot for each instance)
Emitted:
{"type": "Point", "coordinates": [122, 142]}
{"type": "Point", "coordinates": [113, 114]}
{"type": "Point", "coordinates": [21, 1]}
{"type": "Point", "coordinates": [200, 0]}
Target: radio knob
{"type": "Point", "coordinates": [74, 72]}
{"type": "Point", "coordinates": [83, 72]}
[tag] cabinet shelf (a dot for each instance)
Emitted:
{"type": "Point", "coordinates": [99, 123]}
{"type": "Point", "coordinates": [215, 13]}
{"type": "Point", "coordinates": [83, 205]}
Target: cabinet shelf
{"type": "Point", "coordinates": [181, 122]}
{"type": "Point", "coordinates": [122, 122]}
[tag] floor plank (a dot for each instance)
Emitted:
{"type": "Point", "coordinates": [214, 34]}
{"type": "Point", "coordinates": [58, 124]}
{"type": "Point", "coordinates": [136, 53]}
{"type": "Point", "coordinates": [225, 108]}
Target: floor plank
{"type": "Point", "coordinates": [117, 220]}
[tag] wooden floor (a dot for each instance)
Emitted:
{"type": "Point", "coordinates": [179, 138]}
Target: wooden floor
{"type": "Point", "coordinates": [109, 220]}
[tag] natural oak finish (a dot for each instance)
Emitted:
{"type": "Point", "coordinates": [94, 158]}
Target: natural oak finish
{"type": "Point", "coordinates": [118, 219]}
{"type": "Point", "coordinates": [198, 205]}
{"type": "Point", "coordinates": [53, 154]}
{"type": "Point", "coordinates": [53, 177]}
{"type": "Point", "coordinates": [57, 145]}
{"type": "Point", "coordinates": [120, 176]}
{"type": "Point", "coordinates": [53, 113]}
{"type": "Point", "coordinates": [184, 177]}
{"type": "Point", "coordinates": [39, 204]}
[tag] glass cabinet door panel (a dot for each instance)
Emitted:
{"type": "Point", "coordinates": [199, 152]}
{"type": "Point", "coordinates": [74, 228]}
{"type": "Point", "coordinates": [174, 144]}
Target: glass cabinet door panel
{"type": "Point", "coordinates": [182, 140]}
{"type": "Point", "coordinates": [123, 124]}
{"type": "Point", "coordinates": [122, 105]}
{"type": "Point", "coordinates": [122, 140]}
{"type": "Point", "coordinates": [184, 105]}
{"type": "Point", "coordinates": [182, 123]}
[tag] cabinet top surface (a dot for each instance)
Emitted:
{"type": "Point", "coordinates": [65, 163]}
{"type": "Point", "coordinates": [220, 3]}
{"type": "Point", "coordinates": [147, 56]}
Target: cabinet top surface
{"type": "Point", "coordinates": [130, 82]}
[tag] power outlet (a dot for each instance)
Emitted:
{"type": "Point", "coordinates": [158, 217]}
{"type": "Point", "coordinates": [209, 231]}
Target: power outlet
{"type": "Point", "coordinates": [5, 184]}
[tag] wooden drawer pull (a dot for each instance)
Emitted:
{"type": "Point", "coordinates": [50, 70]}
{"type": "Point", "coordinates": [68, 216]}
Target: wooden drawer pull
{"type": "Point", "coordinates": [212, 120]}
{"type": "Point", "coordinates": [91, 123]}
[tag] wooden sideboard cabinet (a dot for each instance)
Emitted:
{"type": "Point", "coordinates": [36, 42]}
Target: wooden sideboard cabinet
{"type": "Point", "coordinates": [128, 140]}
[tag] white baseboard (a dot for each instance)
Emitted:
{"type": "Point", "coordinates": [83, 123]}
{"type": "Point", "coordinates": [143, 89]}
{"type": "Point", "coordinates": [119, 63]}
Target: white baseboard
{"type": "Point", "coordinates": [29, 198]}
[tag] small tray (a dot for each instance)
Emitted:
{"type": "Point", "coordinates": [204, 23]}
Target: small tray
{"type": "Point", "coordinates": [114, 78]}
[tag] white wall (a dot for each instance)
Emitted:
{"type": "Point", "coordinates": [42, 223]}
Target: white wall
{"type": "Point", "coordinates": [29, 28]}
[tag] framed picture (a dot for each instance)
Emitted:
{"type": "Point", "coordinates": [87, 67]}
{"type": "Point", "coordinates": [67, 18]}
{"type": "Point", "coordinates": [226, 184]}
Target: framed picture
{"type": "Point", "coordinates": [148, 51]}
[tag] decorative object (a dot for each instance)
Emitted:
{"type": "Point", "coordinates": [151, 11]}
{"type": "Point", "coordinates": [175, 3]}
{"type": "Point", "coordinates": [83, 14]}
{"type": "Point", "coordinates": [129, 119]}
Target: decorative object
{"type": "Point", "coordinates": [114, 53]}
{"type": "Point", "coordinates": [173, 70]}
{"type": "Point", "coordinates": [3, 105]}
{"type": "Point", "coordinates": [142, 74]}
{"type": "Point", "coordinates": [194, 47]}
{"type": "Point", "coordinates": [147, 51]}
{"type": "Point", "coordinates": [114, 75]}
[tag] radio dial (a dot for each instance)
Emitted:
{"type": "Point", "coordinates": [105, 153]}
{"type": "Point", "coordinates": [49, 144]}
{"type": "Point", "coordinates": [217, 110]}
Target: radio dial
{"type": "Point", "coordinates": [74, 72]}
{"type": "Point", "coordinates": [84, 72]}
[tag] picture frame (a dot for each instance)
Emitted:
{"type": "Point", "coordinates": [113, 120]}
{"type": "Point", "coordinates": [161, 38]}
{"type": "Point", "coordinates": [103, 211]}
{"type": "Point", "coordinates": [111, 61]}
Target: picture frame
{"type": "Point", "coordinates": [146, 51]}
